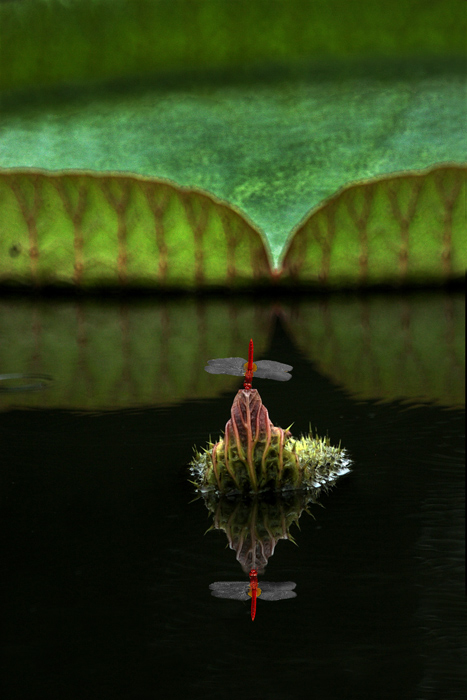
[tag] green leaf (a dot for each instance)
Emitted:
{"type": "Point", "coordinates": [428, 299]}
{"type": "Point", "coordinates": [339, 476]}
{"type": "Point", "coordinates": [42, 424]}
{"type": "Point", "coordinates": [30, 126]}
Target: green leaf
{"type": "Point", "coordinates": [90, 229]}
{"type": "Point", "coordinates": [52, 42]}
{"type": "Point", "coordinates": [86, 229]}
{"type": "Point", "coordinates": [395, 229]}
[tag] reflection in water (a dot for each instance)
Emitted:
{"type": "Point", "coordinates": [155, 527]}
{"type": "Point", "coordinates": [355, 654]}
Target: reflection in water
{"type": "Point", "coordinates": [107, 355]}
{"type": "Point", "coordinates": [253, 528]}
{"type": "Point", "coordinates": [270, 590]}
{"type": "Point", "coordinates": [239, 590]}
{"type": "Point", "coordinates": [10, 383]}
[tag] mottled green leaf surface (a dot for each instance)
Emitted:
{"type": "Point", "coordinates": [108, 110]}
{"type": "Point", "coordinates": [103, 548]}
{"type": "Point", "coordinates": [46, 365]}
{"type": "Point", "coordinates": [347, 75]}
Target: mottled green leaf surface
{"type": "Point", "coordinates": [110, 355]}
{"type": "Point", "coordinates": [273, 147]}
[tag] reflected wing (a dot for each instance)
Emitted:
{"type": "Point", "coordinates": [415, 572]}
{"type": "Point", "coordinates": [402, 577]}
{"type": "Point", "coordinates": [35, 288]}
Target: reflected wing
{"type": "Point", "coordinates": [277, 591]}
{"type": "Point", "coordinates": [238, 590]}
{"type": "Point", "coordinates": [227, 365]}
{"type": "Point", "coordinates": [234, 590]}
{"type": "Point", "coordinates": [269, 369]}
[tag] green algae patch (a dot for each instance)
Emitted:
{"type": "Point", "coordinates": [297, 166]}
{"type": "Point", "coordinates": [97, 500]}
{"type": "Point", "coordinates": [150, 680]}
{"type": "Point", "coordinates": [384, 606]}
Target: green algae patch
{"type": "Point", "coordinates": [254, 456]}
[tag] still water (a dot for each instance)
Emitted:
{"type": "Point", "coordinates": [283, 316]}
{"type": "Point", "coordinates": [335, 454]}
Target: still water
{"type": "Point", "coordinates": [109, 559]}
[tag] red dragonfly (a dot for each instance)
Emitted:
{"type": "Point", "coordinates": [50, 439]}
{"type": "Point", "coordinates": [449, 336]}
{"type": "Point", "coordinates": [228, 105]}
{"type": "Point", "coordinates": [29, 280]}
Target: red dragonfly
{"type": "Point", "coordinates": [254, 591]}
{"type": "Point", "coordinates": [238, 367]}
{"type": "Point", "coordinates": [236, 590]}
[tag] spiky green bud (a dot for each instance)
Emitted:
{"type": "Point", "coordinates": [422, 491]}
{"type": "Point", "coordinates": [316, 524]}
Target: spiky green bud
{"type": "Point", "coordinates": [255, 456]}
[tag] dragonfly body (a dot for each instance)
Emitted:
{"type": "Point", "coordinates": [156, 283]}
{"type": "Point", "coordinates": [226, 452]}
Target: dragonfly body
{"type": "Point", "coordinates": [239, 367]}
{"type": "Point", "coordinates": [254, 591]}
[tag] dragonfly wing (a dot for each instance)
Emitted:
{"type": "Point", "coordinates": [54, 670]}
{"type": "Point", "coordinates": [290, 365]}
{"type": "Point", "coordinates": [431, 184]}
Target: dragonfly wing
{"type": "Point", "coordinates": [273, 366]}
{"type": "Point", "coordinates": [278, 595]}
{"type": "Point", "coordinates": [277, 591]}
{"type": "Point", "coordinates": [227, 365]}
{"type": "Point", "coordinates": [234, 590]}
{"type": "Point", "coordinates": [278, 376]}
{"type": "Point", "coordinates": [268, 369]}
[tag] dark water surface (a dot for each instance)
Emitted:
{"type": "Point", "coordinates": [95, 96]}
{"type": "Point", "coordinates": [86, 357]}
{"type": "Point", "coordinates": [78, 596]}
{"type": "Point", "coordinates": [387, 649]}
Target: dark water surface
{"type": "Point", "coordinates": [107, 565]}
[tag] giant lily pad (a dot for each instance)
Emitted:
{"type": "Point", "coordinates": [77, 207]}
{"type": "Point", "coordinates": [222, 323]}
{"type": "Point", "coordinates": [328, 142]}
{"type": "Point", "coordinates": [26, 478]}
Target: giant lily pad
{"type": "Point", "coordinates": [51, 42]}
{"type": "Point", "coordinates": [270, 106]}
{"type": "Point", "coordinates": [87, 229]}
{"type": "Point", "coordinates": [407, 227]}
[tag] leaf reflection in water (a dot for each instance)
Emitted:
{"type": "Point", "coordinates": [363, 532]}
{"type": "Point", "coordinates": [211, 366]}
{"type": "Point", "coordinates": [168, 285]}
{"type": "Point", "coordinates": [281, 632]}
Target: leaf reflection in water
{"type": "Point", "coordinates": [36, 382]}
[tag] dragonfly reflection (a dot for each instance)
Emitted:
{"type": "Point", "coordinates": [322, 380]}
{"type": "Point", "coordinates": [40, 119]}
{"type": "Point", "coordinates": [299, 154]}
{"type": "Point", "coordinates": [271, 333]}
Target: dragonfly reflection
{"type": "Point", "coordinates": [240, 590]}
{"type": "Point", "coordinates": [239, 367]}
